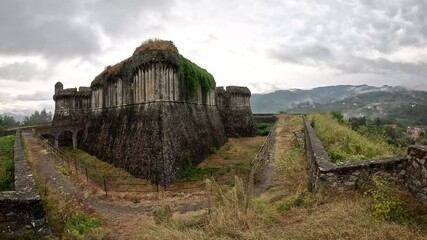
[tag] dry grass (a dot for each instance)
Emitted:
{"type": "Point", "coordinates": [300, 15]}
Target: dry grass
{"type": "Point", "coordinates": [92, 162]}
{"type": "Point", "coordinates": [234, 157]}
{"type": "Point", "coordinates": [156, 44]}
{"type": "Point", "coordinates": [289, 211]}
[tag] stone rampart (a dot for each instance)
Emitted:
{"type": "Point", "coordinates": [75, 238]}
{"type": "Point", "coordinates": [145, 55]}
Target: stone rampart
{"type": "Point", "coordinates": [152, 140]}
{"type": "Point", "coordinates": [236, 114]}
{"type": "Point", "coordinates": [410, 170]}
{"type": "Point", "coordinates": [264, 118]}
{"type": "Point", "coordinates": [21, 211]}
{"type": "Point", "coordinates": [324, 173]}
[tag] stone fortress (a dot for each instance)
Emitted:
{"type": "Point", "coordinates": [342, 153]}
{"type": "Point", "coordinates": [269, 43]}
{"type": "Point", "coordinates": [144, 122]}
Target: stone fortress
{"type": "Point", "coordinates": [153, 112]}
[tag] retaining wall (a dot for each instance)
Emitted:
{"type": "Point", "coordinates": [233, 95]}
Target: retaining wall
{"type": "Point", "coordinates": [416, 178]}
{"type": "Point", "coordinates": [323, 172]}
{"type": "Point", "coordinates": [410, 170]}
{"type": "Point", "coordinates": [21, 211]}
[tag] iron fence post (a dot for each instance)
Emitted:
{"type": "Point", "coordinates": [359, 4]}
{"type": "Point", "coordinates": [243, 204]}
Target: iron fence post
{"type": "Point", "coordinates": [105, 185]}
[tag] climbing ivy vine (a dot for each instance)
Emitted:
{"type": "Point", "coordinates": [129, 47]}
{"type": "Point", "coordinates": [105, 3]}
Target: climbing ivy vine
{"type": "Point", "coordinates": [194, 76]}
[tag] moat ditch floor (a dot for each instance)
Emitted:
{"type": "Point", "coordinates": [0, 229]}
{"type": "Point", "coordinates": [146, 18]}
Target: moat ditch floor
{"type": "Point", "coordinates": [124, 217]}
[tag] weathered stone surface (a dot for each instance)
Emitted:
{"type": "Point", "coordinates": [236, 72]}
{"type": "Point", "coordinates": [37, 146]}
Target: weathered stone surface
{"type": "Point", "coordinates": [236, 114]}
{"type": "Point", "coordinates": [417, 172]}
{"type": "Point", "coordinates": [149, 140]}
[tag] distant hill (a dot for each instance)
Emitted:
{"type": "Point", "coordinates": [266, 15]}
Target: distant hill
{"type": "Point", "coordinates": [285, 99]}
{"type": "Point", "coordinates": [404, 105]}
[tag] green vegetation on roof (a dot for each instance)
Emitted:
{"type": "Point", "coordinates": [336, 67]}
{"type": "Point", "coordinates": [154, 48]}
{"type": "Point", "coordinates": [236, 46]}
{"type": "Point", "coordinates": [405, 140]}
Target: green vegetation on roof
{"type": "Point", "coordinates": [156, 50]}
{"type": "Point", "coordinates": [194, 76]}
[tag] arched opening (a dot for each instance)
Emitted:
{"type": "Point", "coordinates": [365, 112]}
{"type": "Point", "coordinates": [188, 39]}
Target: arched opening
{"type": "Point", "coordinates": [65, 139]}
{"type": "Point", "coordinates": [50, 138]}
{"type": "Point", "coordinates": [80, 138]}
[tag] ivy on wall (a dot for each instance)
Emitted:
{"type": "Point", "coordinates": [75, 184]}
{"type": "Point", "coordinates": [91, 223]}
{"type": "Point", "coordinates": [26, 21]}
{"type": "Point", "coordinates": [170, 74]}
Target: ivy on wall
{"type": "Point", "coordinates": [194, 76]}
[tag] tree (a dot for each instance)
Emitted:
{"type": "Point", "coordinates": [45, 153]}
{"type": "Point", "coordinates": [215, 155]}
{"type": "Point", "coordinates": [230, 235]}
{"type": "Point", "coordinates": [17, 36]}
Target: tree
{"type": "Point", "coordinates": [38, 118]}
{"type": "Point", "coordinates": [337, 116]}
{"type": "Point", "coordinates": [8, 122]}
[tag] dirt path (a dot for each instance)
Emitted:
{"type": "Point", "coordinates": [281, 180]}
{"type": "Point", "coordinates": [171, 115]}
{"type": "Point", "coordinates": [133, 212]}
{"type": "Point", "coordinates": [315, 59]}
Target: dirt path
{"type": "Point", "coordinates": [125, 218]}
{"type": "Point", "coordinates": [267, 173]}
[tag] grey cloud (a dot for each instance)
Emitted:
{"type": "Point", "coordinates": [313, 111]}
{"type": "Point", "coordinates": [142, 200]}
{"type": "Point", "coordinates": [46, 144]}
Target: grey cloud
{"type": "Point", "coordinates": [381, 66]}
{"type": "Point", "coordinates": [45, 27]}
{"type": "Point", "coordinates": [351, 31]}
{"type": "Point", "coordinates": [5, 96]}
{"type": "Point", "coordinates": [308, 53]}
{"type": "Point", "coordinates": [36, 96]}
{"type": "Point", "coordinates": [21, 71]}
{"type": "Point", "coordinates": [130, 16]}
{"type": "Point", "coordinates": [64, 29]}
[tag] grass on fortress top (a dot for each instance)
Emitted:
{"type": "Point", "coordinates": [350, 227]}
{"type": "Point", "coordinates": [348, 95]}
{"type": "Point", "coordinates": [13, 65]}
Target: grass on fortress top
{"type": "Point", "coordinates": [7, 180]}
{"type": "Point", "coordinates": [157, 44]}
{"type": "Point", "coordinates": [343, 144]}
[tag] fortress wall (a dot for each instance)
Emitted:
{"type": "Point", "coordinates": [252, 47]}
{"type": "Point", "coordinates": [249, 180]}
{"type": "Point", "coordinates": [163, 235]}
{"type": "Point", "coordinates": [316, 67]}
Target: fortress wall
{"type": "Point", "coordinates": [71, 106]}
{"type": "Point", "coordinates": [149, 140]}
{"type": "Point", "coordinates": [150, 83]}
{"type": "Point", "coordinates": [235, 110]}
{"type": "Point", "coordinates": [411, 170]}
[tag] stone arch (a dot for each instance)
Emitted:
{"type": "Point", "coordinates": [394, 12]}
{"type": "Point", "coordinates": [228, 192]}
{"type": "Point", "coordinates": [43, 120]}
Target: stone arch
{"type": "Point", "coordinates": [49, 137]}
{"type": "Point", "coordinates": [65, 138]}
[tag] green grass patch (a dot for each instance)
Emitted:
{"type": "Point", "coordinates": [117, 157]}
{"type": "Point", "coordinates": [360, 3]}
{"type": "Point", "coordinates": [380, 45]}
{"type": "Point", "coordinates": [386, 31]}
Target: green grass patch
{"type": "Point", "coordinates": [7, 178]}
{"type": "Point", "coordinates": [388, 203]}
{"type": "Point", "coordinates": [79, 225]}
{"type": "Point", "coordinates": [344, 144]}
{"type": "Point", "coordinates": [264, 128]}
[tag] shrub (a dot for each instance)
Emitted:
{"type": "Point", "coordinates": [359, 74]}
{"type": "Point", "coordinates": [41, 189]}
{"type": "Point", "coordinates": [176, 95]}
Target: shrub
{"type": "Point", "coordinates": [162, 214]}
{"type": "Point", "coordinates": [337, 116]}
{"type": "Point", "coordinates": [385, 205]}
{"type": "Point", "coordinates": [264, 128]}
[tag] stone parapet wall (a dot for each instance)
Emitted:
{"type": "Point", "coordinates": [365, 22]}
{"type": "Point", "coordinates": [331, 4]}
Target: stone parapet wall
{"type": "Point", "coordinates": [264, 118]}
{"type": "Point", "coordinates": [22, 210]}
{"type": "Point", "coordinates": [324, 173]}
{"type": "Point", "coordinates": [416, 178]}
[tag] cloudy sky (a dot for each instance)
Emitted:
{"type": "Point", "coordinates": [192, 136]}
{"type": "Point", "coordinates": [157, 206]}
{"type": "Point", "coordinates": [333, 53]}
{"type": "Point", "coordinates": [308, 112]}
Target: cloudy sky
{"type": "Point", "coordinates": [265, 45]}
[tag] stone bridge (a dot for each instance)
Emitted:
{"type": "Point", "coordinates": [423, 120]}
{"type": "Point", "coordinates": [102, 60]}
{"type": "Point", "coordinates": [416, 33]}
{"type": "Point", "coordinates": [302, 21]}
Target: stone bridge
{"type": "Point", "coordinates": [61, 135]}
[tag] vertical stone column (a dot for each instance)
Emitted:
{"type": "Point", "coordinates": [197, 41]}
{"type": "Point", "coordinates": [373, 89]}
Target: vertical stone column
{"type": "Point", "coordinates": [74, 140]}
{"type": "Point", "coordinates": [148, 84]}
{"type": "Point", "coordinates": [143, 85]}
{"type": "Point", "coordinates": [138, 75]}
